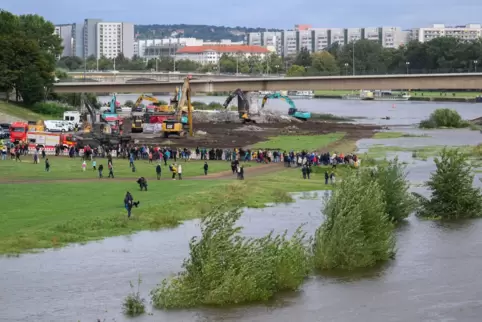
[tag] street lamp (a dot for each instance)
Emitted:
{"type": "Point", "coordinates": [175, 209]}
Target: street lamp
{"type": "Point", "coordinates": [346, 69]}
{"type": "Point", "coordinates": [237, 64]}
{"type": "Point", "coordinates": [475, 65]}
{"type": "Point", "coordinates": [408, 65]}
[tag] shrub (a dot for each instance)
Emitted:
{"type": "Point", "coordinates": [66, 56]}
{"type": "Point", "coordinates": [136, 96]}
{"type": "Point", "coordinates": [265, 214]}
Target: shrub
{"type": "Point", "coordinates": [394, 185]}
{"type": "Point", "coordinates": [50, 108]}
{"type": "Point", "coordinates": [451, 186]}
{"type": "Point", "coordinates": [444, 117]}
{"type": "Point", "coordinates": [129, 103]}
{"type": "Point", "coordinates": [356, 232]}
{"type": "Point", "coordinates": [133, 304]}
{"type": "Point", "coordinates": [226, 268]}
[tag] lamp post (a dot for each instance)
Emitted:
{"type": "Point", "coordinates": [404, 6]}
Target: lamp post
{"type": "Point", "coordinates": [353, 56]}
{"type": "Point", "coordinates": [475, 65]}
{"type": "Point", "coordinates": [237, 64]}
{"type": "Point", "coordinates": [408, 66]}
{"type": "Point", "coordinates": [346, 69]}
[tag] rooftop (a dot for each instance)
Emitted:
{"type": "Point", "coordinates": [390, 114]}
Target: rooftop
{"type": "Point", "coordinates": [224, 49]}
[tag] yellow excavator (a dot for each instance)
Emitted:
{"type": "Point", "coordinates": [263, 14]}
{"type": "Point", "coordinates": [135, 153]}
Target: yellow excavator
{"type": "Point", "coordinates": [155, 102]}
{"type": "Point", "coordinates": [181, 103]}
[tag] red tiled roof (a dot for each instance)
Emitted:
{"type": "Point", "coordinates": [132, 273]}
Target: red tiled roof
{"type": "Point", "coordinates": [224, 49]}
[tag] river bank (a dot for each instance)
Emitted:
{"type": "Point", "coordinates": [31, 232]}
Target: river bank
{"type": "Point", "coordinates": [88, 282]}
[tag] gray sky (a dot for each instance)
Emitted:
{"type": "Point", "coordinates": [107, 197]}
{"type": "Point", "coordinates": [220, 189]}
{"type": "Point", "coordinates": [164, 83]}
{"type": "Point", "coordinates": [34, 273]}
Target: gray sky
{"type": "Point", "coordinates": [258, 13]}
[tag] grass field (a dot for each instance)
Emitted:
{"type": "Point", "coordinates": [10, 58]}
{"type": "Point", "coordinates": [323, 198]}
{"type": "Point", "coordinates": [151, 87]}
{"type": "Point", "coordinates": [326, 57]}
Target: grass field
{"type": "Point", "coordinates": [67, 168]}
{"type": "Point", "coordinates": [55, 214]}
{"type": "Point", "coordinates": [299, 142]}
{"type": "Point", "coordinates": [17, 111]}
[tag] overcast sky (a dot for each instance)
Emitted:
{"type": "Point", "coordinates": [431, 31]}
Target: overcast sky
{"type": "Point", "coordinates": [258, 13]}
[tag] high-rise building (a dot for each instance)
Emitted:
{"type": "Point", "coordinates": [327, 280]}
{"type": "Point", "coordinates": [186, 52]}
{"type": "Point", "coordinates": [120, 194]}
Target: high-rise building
{"type": "Point", "coordinates": [90, 37]}
{"type": "Point", "coordinates": [467, 32]}
{"type": "Point", "coordinates": [113, 38]}
{"type": "Point", "coordinates": [317, 39]}
{"type": "Point", "coordinates": [65, 33]}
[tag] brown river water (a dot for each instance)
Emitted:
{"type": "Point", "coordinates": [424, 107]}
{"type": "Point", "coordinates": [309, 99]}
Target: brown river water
{"type": "Point", "coordinates": [436, 276]}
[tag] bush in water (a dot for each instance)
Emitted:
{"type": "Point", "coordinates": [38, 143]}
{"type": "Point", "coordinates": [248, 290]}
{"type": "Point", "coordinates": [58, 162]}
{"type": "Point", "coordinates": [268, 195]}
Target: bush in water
{"type": "Point", "coordinates": [357, 231]}
{"type": "Point", "coordinates": [451, 187]}
{"type": "Point", "coordinates": [133, 304]}
{"type": "Point", "coordinates": [391, 178]}
{"type": "Point", "coordinates": [226, 268]}
{"type": "Point", "coordinates": [444, 117]}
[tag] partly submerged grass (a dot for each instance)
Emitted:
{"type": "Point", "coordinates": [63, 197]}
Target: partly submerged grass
{"type": "Point", "coordinates": [60, 213]}
{"type": "Point", "coordinates": [396, 135]}
{"type": "Point", "coordinates": [300, 142]}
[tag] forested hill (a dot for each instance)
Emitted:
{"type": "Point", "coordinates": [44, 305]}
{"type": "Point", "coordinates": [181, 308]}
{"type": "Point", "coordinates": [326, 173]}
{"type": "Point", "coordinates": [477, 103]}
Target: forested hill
{"type": "Point", "coordinates": [205, 32]}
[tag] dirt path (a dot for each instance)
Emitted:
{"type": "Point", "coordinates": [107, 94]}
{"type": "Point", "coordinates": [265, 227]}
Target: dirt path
{"type": "Point", "coordinates": [223, 175]}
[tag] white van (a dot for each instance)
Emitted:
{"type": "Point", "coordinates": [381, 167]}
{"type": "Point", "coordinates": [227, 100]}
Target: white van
{"type": "Point", "coordinates": [56, 126]}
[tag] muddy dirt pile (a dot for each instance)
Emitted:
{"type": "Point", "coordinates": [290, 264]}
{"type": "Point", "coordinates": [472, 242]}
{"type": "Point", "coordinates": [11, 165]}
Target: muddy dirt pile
{"type": "Point", "coordinates": [264, 116]}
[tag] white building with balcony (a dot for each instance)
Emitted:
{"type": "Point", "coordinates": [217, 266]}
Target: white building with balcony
{"type": "Point", "coordinates": [468, 32]}
{"type": "Point", "coordinates": [114, 38]}
{"type": "Point", "coordinates": [210, 54]}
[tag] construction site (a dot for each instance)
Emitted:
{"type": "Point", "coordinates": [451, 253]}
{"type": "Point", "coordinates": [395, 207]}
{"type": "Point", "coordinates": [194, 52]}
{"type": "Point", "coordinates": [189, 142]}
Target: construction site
{"type": "Point", "coordinates": [241, 123]}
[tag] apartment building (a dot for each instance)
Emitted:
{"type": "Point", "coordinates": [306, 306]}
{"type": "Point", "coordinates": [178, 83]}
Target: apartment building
{"type": "Point", "coordinates": [210, 54]}
{"type": "Point", "coordinates": [468, 32]}
{"type": "Point", "coordinates": [317, 39]}
{"type": "Point", "coordinates": [71, 36]}
{"type": "Point", "coordinates": [113, 38]}
{"type": "Point", "coordinates": [90, 37]}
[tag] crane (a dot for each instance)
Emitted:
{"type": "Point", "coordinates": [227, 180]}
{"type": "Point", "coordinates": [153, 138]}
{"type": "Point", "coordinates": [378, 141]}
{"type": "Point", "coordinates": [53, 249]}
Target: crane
{"type": "Point", "coordinates": [180, 102]}
{"type": "Point", "coordinates": [155, 101]}
{"type": "Point", "coordinates": [292, 111]}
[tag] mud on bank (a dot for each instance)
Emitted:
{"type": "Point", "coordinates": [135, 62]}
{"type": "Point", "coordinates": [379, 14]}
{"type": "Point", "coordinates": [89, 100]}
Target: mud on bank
{"type": "Point", "coordinates": [229, 135]}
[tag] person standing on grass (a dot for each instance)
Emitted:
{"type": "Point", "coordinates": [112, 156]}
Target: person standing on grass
{"type": "Point", "coordinates": [179, 171]}
{"type": "Point", "coordinates": [101, 168]}
{"type": "Point", "coordinates": [174, 171]}
{"type": "Point", "coordinates": [332, 178]}
{"type": "Point", "coordinates": [111, 169]}
{"type": "Point", "coordinates": [84, 165]}
{"type": "Point", "coordinates": [131, 161]}
{"type": "Point", "coordinates": [17, 154]}
{"type": "Point", "coordinates": [35, 157]}
{"type": "Point", "coordinates": [47, 165]}
{"type": "Point", "coordinates": [94, 164]}
{"type": "Point", "coordinates": [206, 167]}
{"type": "Point", "coordinates": [303, 171]}
{"type": "Point", "coordinates": [158, 171]}
{"type": "Point", "coordinates": [43, 153]}
{"type": "Point", "coordinates": [326, 177]}
{"type": "Point", "coordinates": [128, 203]}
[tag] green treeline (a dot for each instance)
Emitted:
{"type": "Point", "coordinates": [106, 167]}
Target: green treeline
{"type": "Point", "coordinates": [28, 51]}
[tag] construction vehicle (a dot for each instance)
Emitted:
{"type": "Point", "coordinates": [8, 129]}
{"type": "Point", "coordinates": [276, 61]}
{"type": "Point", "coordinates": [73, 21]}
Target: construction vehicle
{"type": "Point", "coordinates": [36, 126]}
{"type": "Point", "coordinates": [137, 122]}
{"type": "Point", "coordinates": [246, 112]}
{"type": "Point", "coordinates": [158, 106]}
{"type": "Point", "coordinates": [292, 111]}
{"type": "Point", "coordinates": [100, 131]}
{"type": "Point", "coordinates": [182, 104]}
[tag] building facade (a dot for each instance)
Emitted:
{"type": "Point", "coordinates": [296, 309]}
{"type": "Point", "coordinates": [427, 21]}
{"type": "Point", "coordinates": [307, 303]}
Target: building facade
{"type": "Point", "coordinates": [113, 38]}
{"type": "Point", "coordinates": [65, 34]}
{"type": "Point", "coordinates": [289, 42]}
{"type": "Point", "coordinates": [468, 32]}
{"type": "Point", "coordinates": [210, 54]}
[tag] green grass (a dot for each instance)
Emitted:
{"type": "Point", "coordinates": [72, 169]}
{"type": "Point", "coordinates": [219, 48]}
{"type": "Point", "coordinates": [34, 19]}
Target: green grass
{"type": "Point", "coordinates": [45, 215]}
{"type": "Point", "coordinates": [67, 168]}
{"type": "Point", "coordinates": [301, 142]}
{"type": "Point", "coordinates": [396, 135]}
{"type": "Point", "coordinates": [18, 111]}
{"type": "Point", "coordinates": [422, 153]}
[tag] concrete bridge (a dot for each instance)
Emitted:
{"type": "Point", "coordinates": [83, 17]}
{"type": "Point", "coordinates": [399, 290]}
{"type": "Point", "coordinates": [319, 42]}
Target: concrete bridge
{"type": "Point", "coordinates": [128, 77]}
{"type": "Point", "coordinates": [468, 81]}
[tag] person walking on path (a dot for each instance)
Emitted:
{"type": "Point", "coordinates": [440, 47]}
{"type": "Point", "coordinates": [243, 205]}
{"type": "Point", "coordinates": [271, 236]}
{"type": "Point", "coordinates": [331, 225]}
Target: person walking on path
{"type": "Point", "coordinates": [111, 170]}
{"type": "Point", "coordinates": [179, 171]}
{"type": "Point", "coordinates": [158, 171]}
{"type": "Point", "coordinates": [206, 167]}
{"type": "Point", "coordinates": [101, 168]}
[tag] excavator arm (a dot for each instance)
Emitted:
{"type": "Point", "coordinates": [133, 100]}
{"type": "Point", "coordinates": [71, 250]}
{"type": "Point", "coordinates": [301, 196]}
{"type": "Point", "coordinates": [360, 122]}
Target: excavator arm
{"type": "Point", "coordinates": [282, 97]}
{"type": "Point", "coordinates": [243, 104]}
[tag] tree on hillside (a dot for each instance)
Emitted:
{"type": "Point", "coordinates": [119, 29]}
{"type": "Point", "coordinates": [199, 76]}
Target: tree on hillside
{"type": "Point", "coordinates": [28, 54]}
{"type": "Point", "coordinates": [296, 71]}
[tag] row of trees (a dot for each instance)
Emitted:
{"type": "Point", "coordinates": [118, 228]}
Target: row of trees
{"type": "Point", "coordinates": [28, 51]}
{"type": "Point", "coordinates": [439, 55]}
{"type": "Point", "coordinates": [227, 64]}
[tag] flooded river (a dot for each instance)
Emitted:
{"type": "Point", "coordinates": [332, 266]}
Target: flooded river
{"type": "Point", "coordinates": [400, 113]}
{"type": "Point", "coordinates": [436, 276]}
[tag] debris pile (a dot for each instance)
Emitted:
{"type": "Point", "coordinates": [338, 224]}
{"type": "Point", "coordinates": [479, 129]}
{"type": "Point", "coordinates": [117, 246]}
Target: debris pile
{"type": "Point", "coordinates": [249, 128]}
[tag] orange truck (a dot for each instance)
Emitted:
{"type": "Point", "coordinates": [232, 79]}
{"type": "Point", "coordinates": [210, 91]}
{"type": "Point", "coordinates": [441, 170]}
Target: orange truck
{"type": "Point", "coordinates": [18, 132]}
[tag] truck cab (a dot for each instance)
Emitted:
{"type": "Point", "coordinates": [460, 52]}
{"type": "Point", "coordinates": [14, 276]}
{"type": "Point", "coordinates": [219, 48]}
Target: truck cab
{"type": "Point", "coordinates": [18, 132]}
